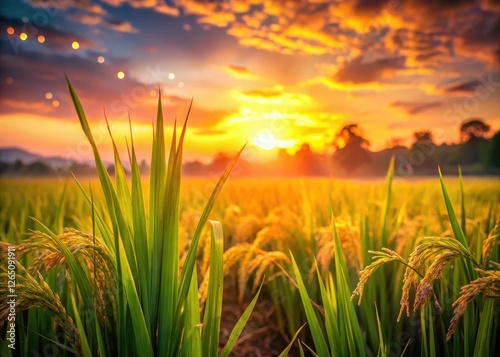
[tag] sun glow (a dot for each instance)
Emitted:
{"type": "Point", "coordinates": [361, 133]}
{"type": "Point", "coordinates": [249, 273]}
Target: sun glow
{"type": "Point", "coordinates": [267, 141]}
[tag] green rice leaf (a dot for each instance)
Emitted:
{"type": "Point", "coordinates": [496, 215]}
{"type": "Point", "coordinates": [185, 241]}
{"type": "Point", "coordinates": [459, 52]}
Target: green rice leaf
{"type": "Point", "coordinates": [312, 319]}
{"type": "Point", "coordinates": [287, 349]}
{"type": "Point", "coordinates": [213, 309]}
{"type": "Point", "coordinates": [240, 325]}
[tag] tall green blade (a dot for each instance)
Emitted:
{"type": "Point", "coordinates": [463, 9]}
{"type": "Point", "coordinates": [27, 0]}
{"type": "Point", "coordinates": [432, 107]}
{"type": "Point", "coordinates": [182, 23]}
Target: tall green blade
{"type": "Point", "coordinates": [240, 325]}
{"type": "Point", "coordinates": [213, 309]}
{"type": "Point", "coordinates": [312, 319]}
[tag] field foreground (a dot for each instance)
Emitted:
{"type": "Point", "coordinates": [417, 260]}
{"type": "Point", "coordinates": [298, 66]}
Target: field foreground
{"type": "Point", "coordinates": [280, 233]}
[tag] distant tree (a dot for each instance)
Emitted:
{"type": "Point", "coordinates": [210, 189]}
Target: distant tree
{"type": "Point", "coordinates": [39, 168]}
{"type": "Point", "coordinates": [394, 143]}
{"type": "Point", "coordinates": [18, 166]}
{"type": "Point", "coordinates": [473, 135]}
{"type": "Point", "coordinates": [473, 130]}
{"type": "Point", "coordinates": [351, 148]}
{"type": "Point", "coordinates": [423, 137]}
{"type": "Point", "coordinates": [284, 162]}
{"type": "Point", "coordinates": [494, 150]}
{"type": "Point", "coordinates": [111, 169]}
{"type": "Point", "coordinates": [143, 167]}
{"type": "Point", "coordinates": [195, 168]}
{"type": "Point", "coordinates": [219, 163]}
{"type": "Point", "coordinates": [423, 149]}
{"type": "Point", "coordinates": [307, 162]}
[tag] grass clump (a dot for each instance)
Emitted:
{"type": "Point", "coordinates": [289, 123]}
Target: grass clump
{"type": "Point", "coordinates": [125, 288]}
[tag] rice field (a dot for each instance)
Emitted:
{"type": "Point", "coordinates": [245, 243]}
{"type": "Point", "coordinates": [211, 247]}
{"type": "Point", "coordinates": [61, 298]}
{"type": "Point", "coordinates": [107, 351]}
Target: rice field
{"type": "Point", "coordinates": [167, 266]}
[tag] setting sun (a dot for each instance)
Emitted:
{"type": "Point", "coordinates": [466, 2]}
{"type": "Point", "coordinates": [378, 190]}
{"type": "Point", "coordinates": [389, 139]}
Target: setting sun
{"type": "Point", "coordinates": [266, 141]}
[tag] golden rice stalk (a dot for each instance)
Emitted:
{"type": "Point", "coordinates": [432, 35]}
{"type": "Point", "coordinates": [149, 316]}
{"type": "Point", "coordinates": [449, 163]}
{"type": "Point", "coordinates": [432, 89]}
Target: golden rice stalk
{"type": "Point", "coordinates": [423, 252]}
{"type": "Point", "coordinates": [488, 285]}
{"type": "Point", "coordinates": [424, 289]}
{"type": "Point", "coordinates": [231, 256]}
{"type": "Point", "coordinates": [232, 218]}
{"type": "Point", "coordinates": [380, 258]}
{"type": "Point", "coordinates": [323, 258]}
{"type": "Point", "coordinates": [267, 262]}
{"type": "Point", "coordinates": [247, 228]}
{"type": "Point", "coordinates": [349, 237]}
{"type": "Point", "coordinates": [490, 241]}
{"type": "Point", "coordinates": [94, 255]}
{"type": "Point", "coordinates": [285, 217]}
{"type": "Point", "coordinates": [268, 237]}
{"type": "Point", "coordinates": [38, 295]}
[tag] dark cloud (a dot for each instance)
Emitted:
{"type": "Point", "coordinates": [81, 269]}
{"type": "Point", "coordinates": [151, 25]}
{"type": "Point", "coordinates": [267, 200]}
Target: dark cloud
{"type": "Point", "coordinates": [357, 71]}
{"type": "Point", "coordinates": [413, 108]}
{"type": "Point", "coordinates": [121, 26]}
{"type": "Point", "coordinates": [464, 87]}
{"type": "Point", "coordinates": [85, 5]}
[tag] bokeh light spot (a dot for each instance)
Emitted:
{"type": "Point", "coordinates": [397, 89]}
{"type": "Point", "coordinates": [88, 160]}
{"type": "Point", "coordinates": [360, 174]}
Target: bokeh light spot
{"type": "Point", "coordinates": [75, 45]}
{"type": "Point", "coordinates": [55, 103]}
{"type": "Point", "coordinates": [171, 76]}
{"type": "Point", "coordinates": [9, 80]}
{"type": "Point", "coordinates": [100, 59]}
{"type": "Point", "coordinates": [48, 95]}
{"type": "Point", "coordinates": [180, 84]}
{"type": "Point", "coordinates": [120, 75]}
{"type": "Point", "coordinates": [41, 39]}
{"type": "Point", "coordinates": [10, 30]}
{"type": "Point", "coordinates": [23, 36]}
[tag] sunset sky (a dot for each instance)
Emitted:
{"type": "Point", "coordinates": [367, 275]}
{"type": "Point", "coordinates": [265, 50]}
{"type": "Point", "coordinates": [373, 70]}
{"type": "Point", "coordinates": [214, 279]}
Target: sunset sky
{"type": "Point", "coordinates": [272, 73]}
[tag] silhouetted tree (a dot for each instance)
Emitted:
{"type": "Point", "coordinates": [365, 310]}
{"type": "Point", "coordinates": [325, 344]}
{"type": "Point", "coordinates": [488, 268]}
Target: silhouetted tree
{"type": "Point", "coordinates": [394, 143]}
{"type": "Point", "coordinates": [219, 162]}
{"type": "Point", "coordinates": [144, 167]}
{"type": "Point", "coordinates": [422, 150]}
{"type": "Point", "coordinates": [423, 137]}
{"type": "Point", "coordinates": [111, 169]}
{"type": "Point", "coordinates": [473, 134]}
{"type": "Point", "coordinates": [195, 168]}
{"type": "Point", "coordinates": [39, 168]}
{"type": "Point", "coordinates": [494, 150]}
{"type": "Point", "coordinates": [351, 148]}
{"type": "Point", "coordinates": [307, 162]}
{"type": "Point", "coordinates": [473, 130]}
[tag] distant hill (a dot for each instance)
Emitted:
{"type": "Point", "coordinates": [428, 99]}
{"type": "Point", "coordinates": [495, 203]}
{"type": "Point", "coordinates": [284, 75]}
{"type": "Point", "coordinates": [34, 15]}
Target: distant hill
{"type": "Point", "coordinates": [10, 155]}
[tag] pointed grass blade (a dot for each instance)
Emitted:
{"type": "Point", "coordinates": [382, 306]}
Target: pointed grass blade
{"type": "Point", "coordinates": [312, 318]}
{"type": "Point", "coordinates": [213, 309]}
{"type": "Point", "coordinates": [240, 325]}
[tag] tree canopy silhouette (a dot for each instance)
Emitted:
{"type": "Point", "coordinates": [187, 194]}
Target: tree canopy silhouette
{"type": "Point", "coordinates": [423, 137]}
{"type": "Point", "coordinates": [473, 130]}
{"type": "Point", "coordinates": [351, 148]}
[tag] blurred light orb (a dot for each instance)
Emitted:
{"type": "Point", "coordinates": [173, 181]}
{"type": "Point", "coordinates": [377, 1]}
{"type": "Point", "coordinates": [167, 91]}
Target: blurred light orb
{"type": "Point", "coordinates": [100, 59]}
{"type": "Point", "coordinates": [23, 36]}
{"type": "Point", "coordinates": [55, 103]}
{"type": "Point", "coordinates": [9, 80]}
{"type": "Point", "coordinates": [10, 30]}
{"type": "Point", "coordinates": [75, 45]}
{"type": "Point", "coordinates": [48, 95]}
{"type": "Point", "coordinates": [171, 76]}
{"type": "Point", "coordinates": [120, 75]}
{"type": "Point", "coordinates": [41, 39]}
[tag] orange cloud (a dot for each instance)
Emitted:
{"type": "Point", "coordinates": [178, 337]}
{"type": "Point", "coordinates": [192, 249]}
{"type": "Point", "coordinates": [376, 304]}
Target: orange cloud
{"type": "Point", "coordinates": [241, 72]}
{"type": "Point", "coordinates": [274, 95]}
